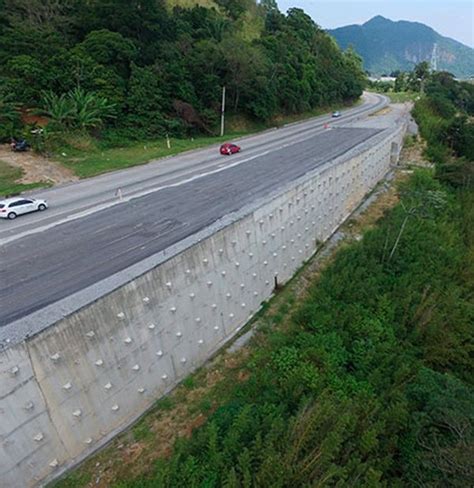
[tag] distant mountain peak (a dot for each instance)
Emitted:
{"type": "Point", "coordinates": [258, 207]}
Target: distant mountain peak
{"type": "Point", "coordinates": [386, 45]}
{"type": "Point", "coordinates": [378, 20]}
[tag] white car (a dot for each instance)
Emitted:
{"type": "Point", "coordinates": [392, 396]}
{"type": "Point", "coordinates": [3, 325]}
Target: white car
{"type": "Point", "coordinates": [10, 208]}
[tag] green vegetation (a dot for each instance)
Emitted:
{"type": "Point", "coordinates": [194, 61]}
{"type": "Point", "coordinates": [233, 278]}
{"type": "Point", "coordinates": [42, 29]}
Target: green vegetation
{"type": "Point", "coordinates": [369, 380]}
{"type": "Point", "coordinates": [402, 97]}
{"type": "Point", "coordinates": [388, 46]}
{"type": "Point", "coordinates": [366, 381]}
{"type": "Point", "coordinates": [445, 120]}
{"type": "Point", "coordinates": [407, 87]}
{"type": "Point", "coordinates": [88, 157]}
{"type": "Point", "coordinates": [9, 175]}
{"type": "Point", "coordinates": [141, 431]}
{"type": "Point", "coordinates": [73, 480]}
{"type": "Point", "coordinates": [124, 71]}
{"type": "Point", "coordinates": [10, 121]}
{"type": "Point", "coordinates": [75, 109]}
{"type": "Point", "coordinates": [93, 159]}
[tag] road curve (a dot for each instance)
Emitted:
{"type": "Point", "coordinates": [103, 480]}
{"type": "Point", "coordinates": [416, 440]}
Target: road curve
{"type": "Point", "coordinates": [90, 195]}
{"type": "Point", "coordinates": [88, 234]}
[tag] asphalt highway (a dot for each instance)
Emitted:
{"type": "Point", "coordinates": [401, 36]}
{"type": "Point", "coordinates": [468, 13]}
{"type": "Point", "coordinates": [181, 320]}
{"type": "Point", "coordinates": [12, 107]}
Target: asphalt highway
{"type": "Point", "coordinates": [89, 233]}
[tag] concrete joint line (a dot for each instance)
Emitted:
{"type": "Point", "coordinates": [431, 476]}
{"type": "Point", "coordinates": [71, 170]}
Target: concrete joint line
{"type": "Point", "coordinates": [45, 399]}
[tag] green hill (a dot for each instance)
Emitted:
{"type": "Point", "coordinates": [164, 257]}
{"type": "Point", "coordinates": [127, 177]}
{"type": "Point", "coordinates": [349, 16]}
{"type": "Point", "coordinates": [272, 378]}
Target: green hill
{"type": "Point", "coordinates": [137, 69]}
{"type": "Point", "coordinates": [387, 46]}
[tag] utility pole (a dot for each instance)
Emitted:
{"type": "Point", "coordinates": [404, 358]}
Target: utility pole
{"type": "Point", "coordinates": [222, 110]}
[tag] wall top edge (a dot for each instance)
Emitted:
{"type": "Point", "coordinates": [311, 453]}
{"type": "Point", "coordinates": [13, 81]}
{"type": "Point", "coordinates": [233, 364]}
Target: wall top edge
{"type": "Point", "coordinates": [29, 326]}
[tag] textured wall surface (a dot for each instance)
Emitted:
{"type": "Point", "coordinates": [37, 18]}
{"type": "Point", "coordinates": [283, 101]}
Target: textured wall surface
{"type": "Point", "coordinates": [67, 390]}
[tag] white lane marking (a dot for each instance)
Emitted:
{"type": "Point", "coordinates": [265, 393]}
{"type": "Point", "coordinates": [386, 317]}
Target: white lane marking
{"type": "Point", "coordinates": [126, 199]}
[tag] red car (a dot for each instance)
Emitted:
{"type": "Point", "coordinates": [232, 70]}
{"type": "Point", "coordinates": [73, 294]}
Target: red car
{"type": "Point", "coordinates": [229, 148]}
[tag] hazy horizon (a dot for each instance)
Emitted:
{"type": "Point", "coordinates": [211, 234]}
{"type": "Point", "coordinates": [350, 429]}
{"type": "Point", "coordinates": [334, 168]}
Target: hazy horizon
{"type": "Point", "coordinates": [454, 19]}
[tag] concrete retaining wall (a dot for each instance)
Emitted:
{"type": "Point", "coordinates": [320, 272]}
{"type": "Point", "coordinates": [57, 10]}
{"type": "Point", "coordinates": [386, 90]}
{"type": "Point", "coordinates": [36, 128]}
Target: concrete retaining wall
{"type": "Point", "coordinates": [68, 389]}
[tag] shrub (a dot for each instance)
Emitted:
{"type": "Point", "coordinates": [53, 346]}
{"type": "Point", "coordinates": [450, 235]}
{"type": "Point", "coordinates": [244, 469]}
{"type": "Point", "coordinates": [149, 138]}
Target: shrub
{"type": "Point", "coordinates": [76, 109]}
{"type": "Point", "coordinates": [10, 122]}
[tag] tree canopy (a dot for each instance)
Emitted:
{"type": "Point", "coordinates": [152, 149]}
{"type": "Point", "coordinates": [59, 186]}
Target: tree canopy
{"type": "Point", "coordinates": [141, 56]}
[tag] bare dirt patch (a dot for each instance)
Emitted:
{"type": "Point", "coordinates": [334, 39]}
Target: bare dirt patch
{"type": "Point", "coordinates": [36, 168]}
{"type": "Point", "coordinates": [382, 111]}
{"type": "Point", "coordinates": [412, 154]}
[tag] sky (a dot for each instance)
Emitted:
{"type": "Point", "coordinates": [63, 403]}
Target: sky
{"type": "Point", "coordinates": [451, 18]}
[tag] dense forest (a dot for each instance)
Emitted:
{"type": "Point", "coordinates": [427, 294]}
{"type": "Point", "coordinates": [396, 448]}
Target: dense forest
{"type": "Point", "coordinates": [369, 382]}
{"type": "Point", "coordinates": [128, 69]}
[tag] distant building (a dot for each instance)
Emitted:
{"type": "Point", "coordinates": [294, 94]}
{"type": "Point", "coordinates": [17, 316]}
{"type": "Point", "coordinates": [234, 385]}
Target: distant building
{"type": "Point", "coordinates": [388, 79]}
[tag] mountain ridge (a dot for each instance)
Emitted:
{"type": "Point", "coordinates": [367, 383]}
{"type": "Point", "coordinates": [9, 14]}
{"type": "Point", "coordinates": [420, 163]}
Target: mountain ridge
{"type": "Point", "coordinates": [387, 46]}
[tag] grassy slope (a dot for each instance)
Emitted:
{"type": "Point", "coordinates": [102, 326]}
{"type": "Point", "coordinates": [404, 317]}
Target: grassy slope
{"type": "Point", "coordinates": [399, 97]}
{"type": "Point", "coordinates": [96, 161]}
{"type": "Point", "coordinates": [402, 97]}
{"type": "Point", "coordinates": [9, 176]}
{"type": "Point", "coordinates": [86, 158]}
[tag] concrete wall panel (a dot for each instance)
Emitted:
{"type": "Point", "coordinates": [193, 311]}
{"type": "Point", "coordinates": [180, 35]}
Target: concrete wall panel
{"type": "Point", "coordinates": [67, 390]}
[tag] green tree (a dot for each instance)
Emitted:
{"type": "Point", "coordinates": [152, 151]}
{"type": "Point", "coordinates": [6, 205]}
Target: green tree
{"type": "Point", "coordinates": [58, 109]}
{"type": "Point", "coordinates": [418, 77]}
{"type": "Point", "coordinates": [89, 110]}
{"type": "Point", "coordinates": [46, 15]}
{"type": "Point", "coordinates": [205, 65]}
{"type": "Point", "coordinates": [145, 102]}
{"type": "Point", "coordinates": [141, 21]}
{"type": "Point", "coordinates": [401, 82]}
{"type": "Point", "coordinates": [442, 435]}
{"type": "Point", "coordinates": [109, 49]}
{"type": "Point", "coordinates": [234, 8]}
{"type": "Point", "coordinates": [355, 75]}
{"type": "Point", "coordinates": [461, 137]}
{"type": "Point", "coordinates": [25, 76]}
{"type": "Point", "coordinates": [290, 66]}
{"type": "Point", "coordinates": [76, 109]}
{"type": "Point", "coordinates": [242, 64]}
{"type": "Point", "coordinates": [10, 121]}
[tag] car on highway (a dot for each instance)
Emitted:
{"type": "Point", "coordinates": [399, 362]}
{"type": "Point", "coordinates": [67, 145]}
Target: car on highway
{"type": "Point", "coordinates": [229, 148]}
{"type": "Point", "coordinates": [10, 208]}
{"type": "Point", "coordinates": [336, 114]}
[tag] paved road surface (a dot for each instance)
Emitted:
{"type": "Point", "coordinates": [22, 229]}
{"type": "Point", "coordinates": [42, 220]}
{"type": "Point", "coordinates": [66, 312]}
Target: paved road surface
{"type": "Point", "coordinates": [45, 260]}
{"type": "Point", "coordinates": [75, 199]}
